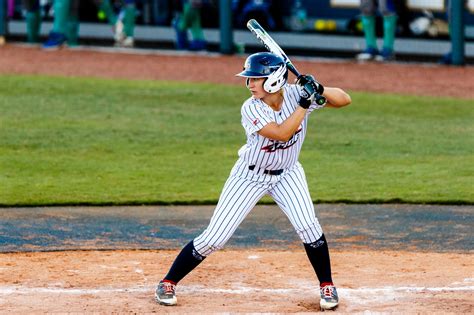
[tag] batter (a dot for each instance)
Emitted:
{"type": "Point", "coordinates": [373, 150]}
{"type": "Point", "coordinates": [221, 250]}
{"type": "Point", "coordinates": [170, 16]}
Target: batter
{"type": "Point", "coordinates": [275, 120]}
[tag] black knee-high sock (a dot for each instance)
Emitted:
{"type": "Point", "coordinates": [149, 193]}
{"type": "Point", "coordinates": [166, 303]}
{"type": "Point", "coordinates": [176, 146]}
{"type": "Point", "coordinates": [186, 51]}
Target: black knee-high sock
{"type": "Point", "coordinates": [185, 262]}
{"type": "Point", "coordinates": [318, 254]}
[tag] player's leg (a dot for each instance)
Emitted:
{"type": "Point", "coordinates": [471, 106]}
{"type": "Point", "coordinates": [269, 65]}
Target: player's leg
{"type": "Point", "coordinates": [292, 196]}
{"type": "Point", "coordinates": [72, 26]}
{"type": "Point", "coordinates": [237, 199]}
{"type": "Point", "coordinates": [33, 20]}
{"type": "Point", "coordinates": [389, 13]}
{"type": "Point", "coordinates": [57, 36]}
{"type": "Point", "coordinates": [368, 11]}
{"type": "Point", "coordinates": [107, 10]}
{"type": "Point", "coordinates": [180, 24]}
{"type": "Point", "coordinates": [193, 14]}
{"type": "Point", "coordinates": [128, 17]}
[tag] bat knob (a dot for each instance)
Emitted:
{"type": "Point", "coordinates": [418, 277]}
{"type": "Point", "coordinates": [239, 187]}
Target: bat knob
{"type": "Point", "coordinates": [320, 100]}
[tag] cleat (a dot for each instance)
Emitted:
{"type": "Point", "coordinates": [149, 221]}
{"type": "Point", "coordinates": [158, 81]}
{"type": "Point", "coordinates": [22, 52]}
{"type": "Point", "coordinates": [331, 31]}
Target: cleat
{"type": "Point", "coordinates": [447, 59]}
{"type": "Point", "coordinates": [128, 42]}
{"type": "Point", "coordinates": [385, 55]}
{"type": "Point", "coordinates": [197, 44]}
{"type": "Point", "coordinates": [55, 41]}
{"type": "Point", "coordinates": [329, 298]}
{"type": "Point", "coordinates": [119, 35]}
{"type": "Point", "coordinates": [368, 54]}
{"type": "Point", "coordinates": [165, 293]}
{"type": "Point", "coordinates": [182, 41]}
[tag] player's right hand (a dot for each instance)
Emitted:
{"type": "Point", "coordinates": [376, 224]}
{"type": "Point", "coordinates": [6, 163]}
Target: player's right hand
{"type": "Point", "coordinates": [306, 97]}
{"type": "Point", "coordinates": [310, 90]}
{"type": "Point", "coordinates": [307, 91]}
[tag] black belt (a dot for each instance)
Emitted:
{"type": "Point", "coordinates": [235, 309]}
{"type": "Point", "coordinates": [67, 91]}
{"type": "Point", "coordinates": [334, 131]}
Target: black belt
{"type": "Point", "coordinates": [268, 172]}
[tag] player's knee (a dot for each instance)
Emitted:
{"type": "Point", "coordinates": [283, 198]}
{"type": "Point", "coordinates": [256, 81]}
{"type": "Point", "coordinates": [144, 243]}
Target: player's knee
{"type": "Point", "coordinates": [368, 8]}
{"type": "Point", "coordinates": [318, 243]}
{"type": "Point", "coordinates": [205, 248]}
{"type": "Point", "coordinates": [310, 233]}
{"type": "Point", "coordinates": [209, 249]}
{"type": "Point", "coordinates": [388, 8]}
{"type": "Point", "coordinates": [388, 12]}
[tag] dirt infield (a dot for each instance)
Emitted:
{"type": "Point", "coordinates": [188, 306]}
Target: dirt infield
{"type": "Point", "coordinates": [427, 228]}
{"type": "Point", "coordinates": [428, 79]}
{"type": "Point", "coordinates": [398, 277]}
{"type": "Point", "coordinates": [386, 258]}
{"type": "Point", "coordinates": [233, 281]}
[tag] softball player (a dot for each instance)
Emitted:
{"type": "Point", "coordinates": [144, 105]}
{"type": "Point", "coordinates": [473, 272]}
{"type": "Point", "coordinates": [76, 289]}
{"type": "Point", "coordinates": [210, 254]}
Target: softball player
{"type": "Point", "coordinates": [388, 9]}
{"type": "Point", "coordinates": [275, 119]}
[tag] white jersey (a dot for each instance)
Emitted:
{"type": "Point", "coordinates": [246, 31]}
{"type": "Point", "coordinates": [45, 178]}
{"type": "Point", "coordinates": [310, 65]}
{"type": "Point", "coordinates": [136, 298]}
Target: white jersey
{"type": "Point", "coordinates": [245, 187]}
{"type": "Point", "coordinates": [266, 153]}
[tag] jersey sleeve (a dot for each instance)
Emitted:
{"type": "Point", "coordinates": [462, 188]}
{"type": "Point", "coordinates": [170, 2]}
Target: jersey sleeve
{"type": "Point", "coordinates": [254, 116]}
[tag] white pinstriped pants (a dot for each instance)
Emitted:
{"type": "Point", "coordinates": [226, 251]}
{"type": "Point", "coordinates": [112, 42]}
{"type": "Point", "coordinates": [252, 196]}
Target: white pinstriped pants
{"type": "Point", "coordinates": [241, 194]}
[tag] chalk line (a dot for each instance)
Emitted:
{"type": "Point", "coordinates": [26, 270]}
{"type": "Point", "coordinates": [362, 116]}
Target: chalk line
{"type": "Point", "coordinates": [7, 290]}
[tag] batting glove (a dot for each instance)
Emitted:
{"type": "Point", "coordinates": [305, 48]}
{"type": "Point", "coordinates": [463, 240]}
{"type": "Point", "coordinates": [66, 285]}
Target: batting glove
{"type": "Point", "coordinates": [306, 97]}
{"type": "Point", "coordinates": [307, 80]}
{"type": "Point", "coordinates": [309, 87]}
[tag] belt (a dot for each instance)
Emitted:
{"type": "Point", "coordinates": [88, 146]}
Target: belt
{"type": "Point", "coordinates": [268, 172]}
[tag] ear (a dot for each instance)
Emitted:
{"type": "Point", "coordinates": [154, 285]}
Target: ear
{"type": "Point", "coordinates": [247, 82]}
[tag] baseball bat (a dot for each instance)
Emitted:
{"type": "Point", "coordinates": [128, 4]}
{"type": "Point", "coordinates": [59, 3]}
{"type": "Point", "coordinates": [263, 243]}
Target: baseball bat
{"type": "Point", "coordinates": [274, 48]}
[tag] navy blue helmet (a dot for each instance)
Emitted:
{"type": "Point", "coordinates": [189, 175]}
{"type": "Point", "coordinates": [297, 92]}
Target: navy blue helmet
{"type": "Point", "coordinates": [266, 65]}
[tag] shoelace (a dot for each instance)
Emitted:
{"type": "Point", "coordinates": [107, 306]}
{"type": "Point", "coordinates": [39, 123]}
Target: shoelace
{"type": "Point", "coordinates": [169, 287]}
{"type": "Point", "coordinates": [328, 291]}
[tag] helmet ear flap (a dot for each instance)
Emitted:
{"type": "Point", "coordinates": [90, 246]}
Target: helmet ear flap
{"type": "Point", "coordinates": [276, 80]}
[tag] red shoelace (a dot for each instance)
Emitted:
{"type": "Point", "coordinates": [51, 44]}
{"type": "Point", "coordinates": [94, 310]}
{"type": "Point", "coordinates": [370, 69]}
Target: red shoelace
{"type": "Point", "coordinates": [169, 287]}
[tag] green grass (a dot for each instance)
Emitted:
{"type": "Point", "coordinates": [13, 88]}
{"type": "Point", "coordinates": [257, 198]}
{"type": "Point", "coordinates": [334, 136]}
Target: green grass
{"type": "Point", "coordinates": [67, 141]}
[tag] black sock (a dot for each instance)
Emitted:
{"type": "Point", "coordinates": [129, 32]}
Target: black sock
{"type": "Point", "coordinates": [318, 254]}
{"type": "Point", "coordinates": [185, 262]}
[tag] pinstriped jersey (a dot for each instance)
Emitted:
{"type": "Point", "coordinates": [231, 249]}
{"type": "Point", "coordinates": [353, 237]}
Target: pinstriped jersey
{"type": "Point", "coordinates": [267, 153]}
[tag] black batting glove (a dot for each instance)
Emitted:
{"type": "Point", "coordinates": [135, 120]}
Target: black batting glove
{"type": "Point", "coordinates": [307, 80]}
{"type": "Point", "coordinates": [306, 99]}
{"type": "Point", "coordinates": [308, 90]}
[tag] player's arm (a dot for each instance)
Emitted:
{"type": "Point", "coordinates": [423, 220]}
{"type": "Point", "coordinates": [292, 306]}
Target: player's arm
{"type": "Point", "coordinates": [336, 97]}
{"type": "Point", "coordinates": [285, 130]}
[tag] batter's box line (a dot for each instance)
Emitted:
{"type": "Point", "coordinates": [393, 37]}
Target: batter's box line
{"type": "Point", "coordinates": [8, 290]}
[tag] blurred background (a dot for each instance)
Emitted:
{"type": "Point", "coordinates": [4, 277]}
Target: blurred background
{"type": "Point", "coordinates": [329, 28]}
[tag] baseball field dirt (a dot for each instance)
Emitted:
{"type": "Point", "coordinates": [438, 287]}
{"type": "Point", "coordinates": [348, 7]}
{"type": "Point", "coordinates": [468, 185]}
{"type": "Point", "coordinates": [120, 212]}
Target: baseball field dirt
{"type": "Point", "coordinates": [427, 267]}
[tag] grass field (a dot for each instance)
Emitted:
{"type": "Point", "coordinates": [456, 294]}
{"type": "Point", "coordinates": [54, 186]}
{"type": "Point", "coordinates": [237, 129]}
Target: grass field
{"type": "Point", "coordinates": [67, 141]}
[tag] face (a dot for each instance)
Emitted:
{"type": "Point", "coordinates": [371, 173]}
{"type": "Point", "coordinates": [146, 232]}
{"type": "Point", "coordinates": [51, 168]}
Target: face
{"type": "Point", "coordinates": [255, 87]}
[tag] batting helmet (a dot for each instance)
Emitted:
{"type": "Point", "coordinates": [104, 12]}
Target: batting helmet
{"type": "Point", "coordinates": [266, 65]}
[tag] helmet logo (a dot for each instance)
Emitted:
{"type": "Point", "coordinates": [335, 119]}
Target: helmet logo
{"type": "Point", "coordinates": [247, 65]}
{"type": "Point", "coordinates": [265, 61]}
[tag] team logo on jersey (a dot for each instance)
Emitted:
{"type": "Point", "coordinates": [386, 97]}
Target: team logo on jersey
{"type": "Point", "coordinates": [277, 145]}
{"type": "Point", "coordinates": [256, 121]}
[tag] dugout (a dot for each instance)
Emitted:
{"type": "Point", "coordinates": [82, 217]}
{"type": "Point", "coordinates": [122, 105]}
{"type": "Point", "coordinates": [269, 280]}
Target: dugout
{"type": "Point", "coordinates": [328, 24]}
